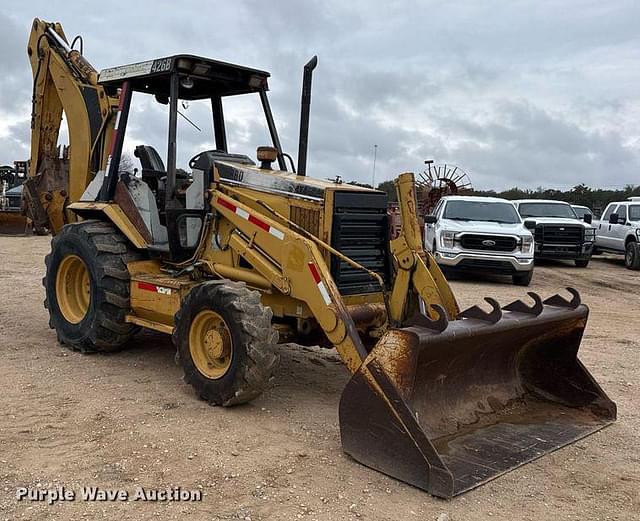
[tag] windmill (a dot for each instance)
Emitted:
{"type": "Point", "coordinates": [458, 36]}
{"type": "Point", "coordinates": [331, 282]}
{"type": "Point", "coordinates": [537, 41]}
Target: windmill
{"type": "Point", "coordinates": [436, 182]}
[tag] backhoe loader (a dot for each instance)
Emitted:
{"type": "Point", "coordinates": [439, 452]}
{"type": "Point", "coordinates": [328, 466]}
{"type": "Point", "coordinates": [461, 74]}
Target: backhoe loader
{"type": "Point", "coordinates": [234, 257]}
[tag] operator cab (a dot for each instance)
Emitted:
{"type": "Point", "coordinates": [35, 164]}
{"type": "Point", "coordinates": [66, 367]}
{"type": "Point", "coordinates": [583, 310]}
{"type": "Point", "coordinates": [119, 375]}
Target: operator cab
{"type": "Point", "coordinates": [173, 204]}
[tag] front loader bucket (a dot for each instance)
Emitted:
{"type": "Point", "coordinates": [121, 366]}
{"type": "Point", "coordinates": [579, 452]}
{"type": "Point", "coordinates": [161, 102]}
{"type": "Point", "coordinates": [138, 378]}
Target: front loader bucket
{"type": "Point", "coordinates": [12, 223]}
{"type": "Point", "coordinates": [447, 406]}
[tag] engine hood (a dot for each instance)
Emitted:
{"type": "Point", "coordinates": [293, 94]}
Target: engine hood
{"type": "Point", "coordinates": [484, 227]}
{"type": "Point", "coordinates": [557, 220]}
{"type": "Point", "coordinates": [285, 183]}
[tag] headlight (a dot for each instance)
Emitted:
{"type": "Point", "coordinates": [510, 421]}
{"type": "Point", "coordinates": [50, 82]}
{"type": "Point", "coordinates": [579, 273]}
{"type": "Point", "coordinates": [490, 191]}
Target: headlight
{"type": "Point", "coordinates": [447, 239]}
{"type": "Point", "coordinates": [526, 243]}
{"type": "Point", "coordinates": [638, 232]}
{"type": "Point", "coordinates": [589, 234]}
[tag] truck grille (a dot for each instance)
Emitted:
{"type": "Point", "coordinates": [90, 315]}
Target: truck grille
{"type": "Point", "coordinates": [556, 234]}
{"type": "Point", "coordinates": [360, 231]}
{"type": "Point", "coordinates": [483, 242]}
{"type": "Point", "coordinates": [486, 264]}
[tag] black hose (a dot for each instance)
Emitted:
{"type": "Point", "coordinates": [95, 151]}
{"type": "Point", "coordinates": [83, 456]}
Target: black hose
{"type": "Point", "coordinates": [81, 43]}
{"type": "Point", "coordinates": [35, 81]}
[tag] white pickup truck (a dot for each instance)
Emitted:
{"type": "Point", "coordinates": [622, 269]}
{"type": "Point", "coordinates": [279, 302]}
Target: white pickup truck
{"type": "Point", "coordinates": [559, 234]}
{"type": "Point", "coordinates": [482, 235]}
{"type": "Point", "coordinates": [618, 231]}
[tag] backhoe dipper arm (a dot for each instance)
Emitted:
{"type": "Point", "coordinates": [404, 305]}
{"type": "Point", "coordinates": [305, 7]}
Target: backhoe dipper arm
{"type": "Point", "coordinates": [295, 266]}
{"type": "Point", "coordinates": [63, 82]}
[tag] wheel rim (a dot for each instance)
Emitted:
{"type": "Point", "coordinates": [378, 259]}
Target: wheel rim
{"type": "Point", "coordinates": [210, 344]}
{"type": "Point", "coordinates": [73, 289]}
{"type": "Point", "coordinates": [629, 256]}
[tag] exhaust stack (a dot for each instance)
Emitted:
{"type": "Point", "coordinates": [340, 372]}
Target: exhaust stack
{"type": "Point", "coordinates": [304, 115]}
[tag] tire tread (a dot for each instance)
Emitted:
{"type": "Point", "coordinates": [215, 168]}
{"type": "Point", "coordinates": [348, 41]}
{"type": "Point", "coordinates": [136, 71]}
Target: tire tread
{"type": "Point", "coordinates": [258, 337]}
{"type": "Point", "coordinates": [108, 331]}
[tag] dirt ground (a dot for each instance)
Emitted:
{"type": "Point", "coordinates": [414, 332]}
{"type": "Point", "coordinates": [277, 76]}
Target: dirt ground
{"type": "Point", "coordinates": [128, 420]}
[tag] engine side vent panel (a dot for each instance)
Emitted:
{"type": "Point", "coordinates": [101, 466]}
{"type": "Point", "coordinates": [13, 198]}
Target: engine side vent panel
{"type": "Point", "coordinates": [360, 231]}
{"type": "Point", "coordinates": [307, 218]}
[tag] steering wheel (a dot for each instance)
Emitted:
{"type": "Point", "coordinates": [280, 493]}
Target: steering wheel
{"type": "Point", "coordinates": [194, 159]}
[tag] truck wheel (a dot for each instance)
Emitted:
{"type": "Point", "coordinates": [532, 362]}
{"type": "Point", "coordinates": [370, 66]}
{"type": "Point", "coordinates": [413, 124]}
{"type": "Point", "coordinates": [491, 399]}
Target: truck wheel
{"type": "Point", "coordinates": [632, 255]}
{"type": "Point", "coordinates": [225, 342]}
{"type": "Point", "coordinates": [582, 263]}
{"type": "Point", "coordinates": [87, 286]}
{"type": "Point", "coordinates": [522, 279]}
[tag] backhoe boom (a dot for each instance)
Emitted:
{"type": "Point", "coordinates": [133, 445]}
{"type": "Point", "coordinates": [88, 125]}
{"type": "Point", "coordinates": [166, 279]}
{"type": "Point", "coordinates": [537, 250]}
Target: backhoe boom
{"type": "Point", "coordinates": [64, 84]}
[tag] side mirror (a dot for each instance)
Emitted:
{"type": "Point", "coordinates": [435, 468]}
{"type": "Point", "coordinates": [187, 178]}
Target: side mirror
{"type": "Point", "coordinates": [530, 225]}
{"type": "Point", "coordinates": [613, 218]}
{"type": "Point", "coordinates": [430, 219]}
{"type": "Point", "coordinates": [588, 218]}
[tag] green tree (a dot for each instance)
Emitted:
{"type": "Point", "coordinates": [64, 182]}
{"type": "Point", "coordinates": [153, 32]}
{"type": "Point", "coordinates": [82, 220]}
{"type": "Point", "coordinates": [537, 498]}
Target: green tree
{"type": "Point", "coordinates": [390, 189]}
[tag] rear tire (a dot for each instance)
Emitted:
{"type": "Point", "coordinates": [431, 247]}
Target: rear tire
{"type": "Point", "coordinates": [225, 341]}
{"type": "Point", "coordinates": [582, 263]}
{"type": "Point", "coordinates": [87, 286]}
{"type": "Point", "coordinates": [632, 255]}
{"type": "Point", "coordinates": [522, 279]}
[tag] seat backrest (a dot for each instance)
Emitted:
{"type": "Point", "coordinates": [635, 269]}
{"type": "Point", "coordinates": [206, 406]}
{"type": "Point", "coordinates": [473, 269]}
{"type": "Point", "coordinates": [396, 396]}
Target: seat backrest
{"type": "Point", "coordinates": [145, 203]}
{"type": "Point", "coordinates": [149, 158]}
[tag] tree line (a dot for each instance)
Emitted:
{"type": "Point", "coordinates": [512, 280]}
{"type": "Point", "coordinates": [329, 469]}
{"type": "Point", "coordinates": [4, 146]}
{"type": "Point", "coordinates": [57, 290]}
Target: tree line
{"type": "Point", "coordinates": [595, 198]}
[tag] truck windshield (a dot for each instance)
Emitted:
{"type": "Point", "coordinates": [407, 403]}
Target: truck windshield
{"type": "Point", "coordinates": [560, 210]}
{"type": "Point", "coordinates": [634, 212]}
{"type": "Point", "coordinates": [481, 211]}
{"type": "Point", "coordinates": [581, 211]}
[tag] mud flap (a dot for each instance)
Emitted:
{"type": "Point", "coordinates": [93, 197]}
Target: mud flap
{"type": "Point", "coordinates": [447, 406]}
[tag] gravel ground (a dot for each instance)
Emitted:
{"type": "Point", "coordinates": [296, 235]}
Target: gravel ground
{"type": "Point", "coordinates": [127, 420]}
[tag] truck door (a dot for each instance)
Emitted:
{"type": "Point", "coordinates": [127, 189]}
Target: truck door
{"type": "Point", "coordinates": [430, 229]}
{"type": "Point", "coordinates": [603, 233]}
{"type": "Point", "coordinates": [619, 231]}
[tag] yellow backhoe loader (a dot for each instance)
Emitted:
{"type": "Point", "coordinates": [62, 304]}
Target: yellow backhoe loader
{"type": "Point", "coordinates": [235, 256]}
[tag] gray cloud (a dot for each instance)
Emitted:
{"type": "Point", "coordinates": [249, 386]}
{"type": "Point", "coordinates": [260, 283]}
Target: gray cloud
{"type": "Point", "coordinates": [523, 92]}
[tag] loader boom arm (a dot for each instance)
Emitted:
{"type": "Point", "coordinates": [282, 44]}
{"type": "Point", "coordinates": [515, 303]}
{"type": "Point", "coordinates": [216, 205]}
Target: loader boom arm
{"type": "Point", "coordinates": [416, 267]}
{"type": "Point", "coordinates": [64, 83]}
{"type": "Point", "coordinates": [296, 267]}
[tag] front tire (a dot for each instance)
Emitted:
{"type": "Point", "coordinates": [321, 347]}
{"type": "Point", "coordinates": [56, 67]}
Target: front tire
{"type": "Point", "coordinates": [581, 263]}
{"type": "Point", "coordinates": [87, 286]}
{"type": "Point", "coordinates": [225, 341]}
{"type": "Point", "coordinates": [632, 256]}
{"type": "Point", "coordinates": [522, 279]}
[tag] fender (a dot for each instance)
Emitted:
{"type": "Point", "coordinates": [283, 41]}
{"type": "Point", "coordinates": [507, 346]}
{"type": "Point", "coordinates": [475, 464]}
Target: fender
{"type": "Point", "coordinates": [113, 213]}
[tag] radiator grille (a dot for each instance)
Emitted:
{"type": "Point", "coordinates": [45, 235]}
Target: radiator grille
{"type": "Point", "coordinates": [488, 242]}
{"type": "Point", "coordinates": [360, 231]}
{"type": "Point", "coordinates": [555, 234]}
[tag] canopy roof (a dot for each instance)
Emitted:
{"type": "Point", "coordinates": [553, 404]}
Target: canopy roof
{"type": "Point", "coordinates": [199, 77]}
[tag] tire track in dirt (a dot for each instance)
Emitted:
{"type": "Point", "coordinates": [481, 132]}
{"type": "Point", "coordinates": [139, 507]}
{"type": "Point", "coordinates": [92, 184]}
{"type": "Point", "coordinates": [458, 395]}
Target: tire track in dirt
{"type": "Point", "coordinates": [128, 419]}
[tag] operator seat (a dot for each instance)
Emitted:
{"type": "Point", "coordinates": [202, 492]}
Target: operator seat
{"type": "Point", "coordinates": [153, 169]}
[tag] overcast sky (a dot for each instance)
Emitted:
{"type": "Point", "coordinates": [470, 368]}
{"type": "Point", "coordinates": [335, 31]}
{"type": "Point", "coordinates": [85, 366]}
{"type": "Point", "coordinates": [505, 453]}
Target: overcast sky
{"type": "Point", "coordinates": [524, 93]}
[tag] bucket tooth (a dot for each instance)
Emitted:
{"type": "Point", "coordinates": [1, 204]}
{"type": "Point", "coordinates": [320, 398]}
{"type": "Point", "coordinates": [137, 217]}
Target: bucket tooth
{"type": "Point", "coordinates": [520, 307]}
{"type": "Point", "coordinates": [561, 302]}
{"type": "Point", "coordinates": [476, 312]}
{"type": "Point", "coordinates": [438, 325]}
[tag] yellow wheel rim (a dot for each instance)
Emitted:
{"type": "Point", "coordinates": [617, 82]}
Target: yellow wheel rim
{"type": "Point", "coordinates": [210, 344]}
{"type": "Point", "coordinates": [73, 288]}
